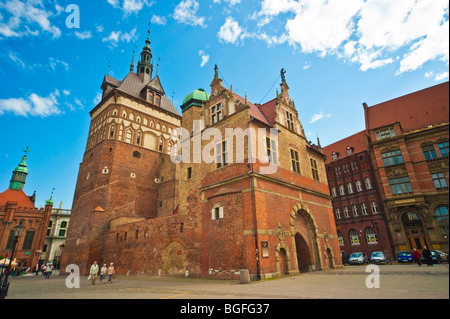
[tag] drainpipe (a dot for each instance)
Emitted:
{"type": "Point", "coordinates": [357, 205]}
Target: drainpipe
{"type": "Point", "coordinates": [255, 224]}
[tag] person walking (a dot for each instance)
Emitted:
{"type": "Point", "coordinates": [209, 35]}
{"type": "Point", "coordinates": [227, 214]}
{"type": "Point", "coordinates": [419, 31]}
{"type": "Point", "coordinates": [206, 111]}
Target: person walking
{"type": "Point", "coordinates": [48, 271]}
{"type": "Point", "coordinates": [93, 273]}
{"type": "Point", "coordinates": [417, 256]}
{"type": "Point", "coordinates": [427, 256]}
{"type": "Point", "coordinates": [111, 272]}
{"type": "Point", "coordinates": [103, 272]}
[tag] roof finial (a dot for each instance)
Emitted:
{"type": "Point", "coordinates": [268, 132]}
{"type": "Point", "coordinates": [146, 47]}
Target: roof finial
{"type": "Point", "coordinates": [216, 72]}
{"type": "Point", "coordinates": [132, 60]}
{"type": "Point", "coordinates": [109, 66]}
{"type": "Point", "coordinates": [149, 27]}
{"type": "Point", "coordinates": [283, 75]}
{"type": "Point", "coordinates": [157, 66]}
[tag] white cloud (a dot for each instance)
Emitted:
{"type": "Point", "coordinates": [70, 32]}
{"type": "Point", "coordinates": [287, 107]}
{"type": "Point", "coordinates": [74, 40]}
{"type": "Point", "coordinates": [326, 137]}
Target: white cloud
{"type": "Point", "coordinates": [437, 77]}
{"type": "Point", "coordinates": [205, 58]}
{"type": "Point", "coordinates": [229, 2]}
{"type": "Point", "coordinates": [319, 116]}
{"type": "Point", "coordinates": [22, 16]}
{"type": "Point", "coordinates": [130, 6]}
{"type": "Point", "coordinates": [371, 33]}
{"type": "Point", "coordinates": [186, 12]}
{"type": "Point", "coordinates": [83, 35]}
{"type": "Point", "coordinates": [159, 20]}
{"type": "Point", "coordinates": [230, 32]}
{"type": "Point", "coordinates": [117, 36]}
{"type": "Point", "coordinates": [35, 105]}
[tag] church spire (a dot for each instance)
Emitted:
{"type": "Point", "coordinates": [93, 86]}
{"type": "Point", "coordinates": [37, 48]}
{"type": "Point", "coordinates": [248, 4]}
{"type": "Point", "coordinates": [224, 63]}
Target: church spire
{"type": "Point", "coordinates": [145, 66]}
{"type": "Point", "coordinates": [132, 63]}
{"type": "Point", "coordinates": [20, 174]}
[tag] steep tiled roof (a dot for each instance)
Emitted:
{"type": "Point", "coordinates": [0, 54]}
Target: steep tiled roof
{"type": "Point", "coordinates": [356, 141]}
{"type": "Point", "coordinates": [255, 111]}
{"type": "Point", "coordinates": [269, 109]}
{"type": "Point", "coordinates": [413, 111]}
{"type": "Point", "coordinates": [16, 196]}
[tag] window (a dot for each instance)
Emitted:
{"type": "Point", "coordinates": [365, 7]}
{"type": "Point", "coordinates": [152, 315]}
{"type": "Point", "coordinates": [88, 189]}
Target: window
{"type": "Point", "coordinates": [189, 173]}
{"type": "Point", "coordinates": [216, 113]}
{"type": "Point", "coordinates": [341, 190]}
{"type": "Point", "coordinates": [358, 186]}
{"type": "Point", "coordinates": [439, 181]}
{"type": "Point", "coordinates": [112, 131]}
{"type": "Point", "coordinates": [340, 238]}
{"type": "Point", "coordinates": [346, 214]}
{"type": "Point", "coordinates": [368, 183]}
{"type": "Point", "coordinates": [387, 133]}
{"type": "Point", "coordinates": [221, 154]}
{"type": "Point", "coordinates": [129, 136]}
{"type": "Point", "coordinates": [138, 138]}
{"type": "Point", "coordinates": [28, 241]}
{"type": "Point", "coordinates": [349, 150]}
{"type": "Point", "coordinates": [429, 152]}
{"type": "Point", "coordinates": [295, 161]}
{"type": "Point", "coordinates": [136, 154]}
{"type": "Point", "coordinates": [49, 228]}
{"type": "Point", "coordinates": [272, 151]}
{"type": "Point", "coordinates": [392, 158]}
{"type": "Point", "coordinates": [335, 155]}
{"type": "Point", "coordinates": [441, 214]}
{"type": "Point", "coordinates": [11, 240]}
{"type": "Point", "coordinates": [62, 229]}
{"type": "Point", "coordinates": [371, 236]}
{"type": "Point", "coordinates": [443, 148]}
{"type": "Point", "coordinates": [217, 213]}
{"type": "Point", "coordinates": [290, 121]}
{"type": "Point", "coordinates": [314, 169]}
{"type": "Point", "coordinates": [374, 207]}
{"type": "Point", "coordinates": [354, 237]}
{"type": "Point", "coordinates": [350, 188]}
{"type": "Point", "coordinates": [333, 191]}
{"type": "Point", "coordinates": [338, 213]}
{"type": "Point", "coordinates": [355, 210]}
{"type": "Point", "coordinates": [157, 100]}
{"type": "Point", "coordinates": [400, 186]}
{"type": "Point", "coordinates": [364, 208]}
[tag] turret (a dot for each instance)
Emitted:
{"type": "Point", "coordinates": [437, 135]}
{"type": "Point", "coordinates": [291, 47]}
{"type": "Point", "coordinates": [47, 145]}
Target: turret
{"type": "Point", "coordinates": [19, 174]}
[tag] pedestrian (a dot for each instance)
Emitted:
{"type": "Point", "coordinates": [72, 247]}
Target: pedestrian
{"type": "Point", "coordinates": [93, 273]}
{"type": "Point", "coordinates": [48, 271]}
{"type": "Point", "coordinates": [38, 267]}
{"type": "Point", "coordinates": [427, 256]}
{"type": "Point", "coordinates": [111, 272]}
{"type": "Point", "coordinates": [417, 256]}
{"type": "Point", "coordinates": [103, 272]}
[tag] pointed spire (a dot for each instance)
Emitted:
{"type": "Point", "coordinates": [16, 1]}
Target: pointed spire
{"type": "Point", "coordinates": [132, 62]}
{"type": "Point", "coordinates": [50, 201]}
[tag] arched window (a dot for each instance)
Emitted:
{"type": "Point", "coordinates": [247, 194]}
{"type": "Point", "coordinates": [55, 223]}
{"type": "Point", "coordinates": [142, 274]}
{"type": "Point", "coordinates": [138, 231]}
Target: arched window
{"type": "Point", "coordinates": [411, 219]}
{"type": "Point", "coordinates": [112, 131]}
{"type": "Point", "coordinates": [358, 186]}
{"type": "Point", "coordinates": [333, 191]}
{"type": "Point", "coordinates": [338, 213]}
{"type": "Point", "coordinates": [364, 208]}
{"type": "Point", "coordinates": [340, 238]}
{"type": "Point", "coordinates": [341, 190]}
{"type": "Point", "coordinates": [368, 183]}
{"type": "Point", "coordinates": [355, 210]}
{"type": "Point", "coordinates": [354, 237]}
{"type": "Point", "coordinates": [441, 214]}
{"type": "Point", "coordinates": [350, 188]}
{"type": "Point", "coordinates": [371, 236]}
{"type": "Point", "coordinates": [346, 212]}
{"type": "Point", "coordinates": [374, 207]}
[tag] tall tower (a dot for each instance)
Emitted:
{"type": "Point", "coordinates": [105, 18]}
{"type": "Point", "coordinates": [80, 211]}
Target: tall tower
{"type": "Point", "coordinates": [126, 167]}
{"type": "Point", "coordinates": [19, 174]}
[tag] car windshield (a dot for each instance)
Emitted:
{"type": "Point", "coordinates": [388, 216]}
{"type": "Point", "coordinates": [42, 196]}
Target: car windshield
{"type": "Point", "coordinates": [377, 254]}
{"type": "Point", "coordinates": [356, 255]}
{"type": "Point", "coordinates": [404, 254]}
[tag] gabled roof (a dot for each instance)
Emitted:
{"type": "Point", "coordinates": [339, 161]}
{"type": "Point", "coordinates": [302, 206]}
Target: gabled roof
{"type": "Point", "coordinates": [413, 111]}
{"type": "Point", "coordinates": [269, 109]}
{"type": "Point", "coordinates": [16, 196]}
{"type": "Point", "coordinates": [356, 141]}
{"type": "Point", "coordinates": [155, 84]}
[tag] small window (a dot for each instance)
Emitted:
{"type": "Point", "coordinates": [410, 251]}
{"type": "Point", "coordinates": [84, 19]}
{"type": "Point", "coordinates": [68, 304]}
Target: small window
{"type": "Point", "coordinates": [374, 207]}
{"type": "Point", "coordinates": [371, 236]}
{"type": "Point", "coordinates": [392, 158]}
{"type": "Point", "coordinates": [443, 148]}
{"type": "Point", "coordinates": [341, 190]}
{"type": "Point", "coordinates": [368, 183]}
{"type": "Point", "coordinates": [364, 209]}
{"type": "Point", "coordinates": [217, 213]}
{"type": "Point", "coordinates": [358, 186]}
{"type": "Point", "coordinates": [136, 154]}
{"type": "Point", "coordinates": [295, 161]}
{"type": "Point", "coordinates": [439, 182]}
{"type": "Point", "coordinates": [335, 156]}
{"type": "Point", "coordinates": [349, 150]}
{"type": "Point", "coordinates": [333, 191]}
{"type": "Point", "coordinates": [290, 120]}
{"type": "Point", "coordinates": [346, 214]}
{"type": "Point", "coordinates": [350, 188]}
{"type": "Point", "coordinates": [429, 152]}
{"type": "Point", "coordinates": [272, 151]}
{"type": "Point", "coordinates": [338, 213]}
{"type": "Point", "coordinates": [314, 169]}
{"type": "Point", "coordinates": [387, 133]}
{"type": "Point", "coordinates": [354, 237]}
{"type": "Point", "coordinates": [216, 113]}
{"type": "Point", "coordinates": [355, 210]}
{"type": "Point", "coordinates": [340, 238]}
{"type": "Point", "coordinates": [221, 154]}
{"type": "Point", "coordinates": [189, 173]}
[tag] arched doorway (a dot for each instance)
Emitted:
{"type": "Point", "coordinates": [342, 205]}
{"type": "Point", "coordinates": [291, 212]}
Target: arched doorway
{"type": "Point", "coordinates": [284, 267]}
{"type": "Point", "coordinates": [303, 254]}
{"type": "Point", "coordinates": [414, 231]}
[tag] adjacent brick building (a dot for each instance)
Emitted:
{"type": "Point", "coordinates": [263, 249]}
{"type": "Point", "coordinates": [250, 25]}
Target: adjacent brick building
{"type": "Point", "coordinates": [406, 147]}
{"type": "Point", "coordinates": [18, 208]}
{"type": "Point", "coordinates": [136, 207]}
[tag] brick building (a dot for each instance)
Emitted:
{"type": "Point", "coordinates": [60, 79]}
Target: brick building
{"type": "Point", "coordinates": [356, 200]}
{"type": "Point", "coordinates": [18, 208]}
{"type": "Point", "coordinates": [136, 207]}
{"type": "Point", "coordinates": [405, 151]}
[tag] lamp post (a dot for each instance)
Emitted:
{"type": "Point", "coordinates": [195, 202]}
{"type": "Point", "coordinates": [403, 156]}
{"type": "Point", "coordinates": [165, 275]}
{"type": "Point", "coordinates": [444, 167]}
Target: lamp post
{"type": "Point", "coordinates": [18, 230]}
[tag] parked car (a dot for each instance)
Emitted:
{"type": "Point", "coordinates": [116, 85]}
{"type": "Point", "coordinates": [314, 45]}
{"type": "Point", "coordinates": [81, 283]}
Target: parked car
{"type": "Point", "coordinates": [358, 259]}
{"type": "Point", "coordinates": [378, 257]}
{"type": "Point", "coordinates": [435, 258]}
{"type": "Point", "coordinates": [405, 257]}
{"type": "Point", "coordinates": [344, 257]}
{"type": "Point", "coordinates": [444, 256]}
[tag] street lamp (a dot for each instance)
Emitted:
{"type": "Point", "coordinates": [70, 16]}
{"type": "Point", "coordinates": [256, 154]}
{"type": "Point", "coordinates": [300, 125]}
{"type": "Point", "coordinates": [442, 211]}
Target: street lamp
{"type": "Point", "coordinates": [4, 286]}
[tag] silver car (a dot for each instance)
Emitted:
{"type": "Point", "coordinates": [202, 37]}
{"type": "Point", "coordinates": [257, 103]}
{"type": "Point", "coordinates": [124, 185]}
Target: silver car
{"type": "Point", "coordinates": [358, 259]}
{"type": "Point", "coordinates": [378, 257]}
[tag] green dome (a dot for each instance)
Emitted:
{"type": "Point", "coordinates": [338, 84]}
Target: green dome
{"type": "Point", "coordinates": [199, 95]}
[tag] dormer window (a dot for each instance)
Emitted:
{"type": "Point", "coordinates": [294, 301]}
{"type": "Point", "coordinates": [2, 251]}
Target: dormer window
{"type": "Point", "coordinates": [157, 100]}
{"type": "Point", "coordinates": [150, 97]}
{"type": "Point", "coordinates": [349, 150]}
{"type": "Point", "coordinates": [335, 155]}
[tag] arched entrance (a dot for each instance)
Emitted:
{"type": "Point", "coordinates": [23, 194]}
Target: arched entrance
{"type": "Point", "coordinates": [414, 231]}
{"type": "Point", "coordinates": [303, 254]}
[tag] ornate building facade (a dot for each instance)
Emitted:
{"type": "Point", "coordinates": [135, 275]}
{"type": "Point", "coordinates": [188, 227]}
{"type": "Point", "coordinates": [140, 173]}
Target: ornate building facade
{"type": "Point", "coordinates": [18, 208]}
{"type": "Point", "coordinates": [137, 207]}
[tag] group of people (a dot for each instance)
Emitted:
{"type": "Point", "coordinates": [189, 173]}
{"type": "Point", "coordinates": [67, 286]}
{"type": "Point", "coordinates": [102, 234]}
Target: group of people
{"type": "Point", "coordinates": [94, 271]}
{"type": "Point", "coordinates": [426, 253]}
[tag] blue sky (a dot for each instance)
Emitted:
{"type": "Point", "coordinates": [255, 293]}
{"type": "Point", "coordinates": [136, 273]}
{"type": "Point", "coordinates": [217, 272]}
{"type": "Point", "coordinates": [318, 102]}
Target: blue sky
{"type": "Point", "coordinates": [337, 54]}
